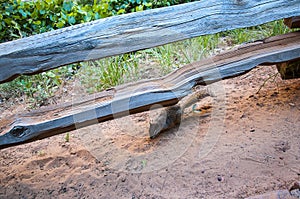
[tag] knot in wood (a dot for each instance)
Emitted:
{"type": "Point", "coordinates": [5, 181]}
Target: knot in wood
{"type": "Point", "coordinates": [239, 2]}
{"type": "Point", "coordinates": [18, 131]}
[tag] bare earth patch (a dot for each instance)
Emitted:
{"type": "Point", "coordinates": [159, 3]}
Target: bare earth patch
{"type": "Point", "coordinates": [244, 145]}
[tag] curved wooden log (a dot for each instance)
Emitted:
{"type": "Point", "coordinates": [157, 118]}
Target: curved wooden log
{"type": "Point", "coordinates": [131, 32]}
{"type": "Point", "coordinates": [140, 96]}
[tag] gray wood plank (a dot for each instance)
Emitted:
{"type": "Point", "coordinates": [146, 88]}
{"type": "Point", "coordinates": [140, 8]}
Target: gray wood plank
{"type": "Point", "coordinates": [136, 31]}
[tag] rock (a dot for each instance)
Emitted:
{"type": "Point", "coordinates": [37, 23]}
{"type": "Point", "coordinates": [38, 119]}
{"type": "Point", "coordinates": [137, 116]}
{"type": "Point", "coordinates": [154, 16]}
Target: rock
{"type": "Point", "coordinates": [279, 194]}
{"type": "Point", "coordinates": [295, 193]}
{"type": "Point", "coordinates": [295, 190]}
{"type": "Point", "coordinates": [220, 179]}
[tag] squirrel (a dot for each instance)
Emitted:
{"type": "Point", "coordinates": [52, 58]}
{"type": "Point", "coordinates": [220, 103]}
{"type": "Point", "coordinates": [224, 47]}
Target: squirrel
{"type": "Point", "coordinates": [172, 115]}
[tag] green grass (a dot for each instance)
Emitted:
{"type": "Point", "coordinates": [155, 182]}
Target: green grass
{"type": "Point", "coordinates": [102, 74]}
{"type": "Point", "coordinates": [244, 35]}
{"type": "Point", "coordinates": [105, 73]}
{"type": "Point", "coordinates": [37, 88]}
{"type": "Point", "coordinates": [172, 56]}
{"type": "Point", "coordinates": [67, 137]}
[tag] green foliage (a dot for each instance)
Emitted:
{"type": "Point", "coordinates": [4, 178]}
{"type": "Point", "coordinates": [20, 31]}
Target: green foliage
{"type": "Point", "coordinates": [67, 137]}
{"type": "Point", "coordinates": [127, 6]}
{"type": "Point", "coordinates": [172, 56]}
{"type": "Point", "coordinates": [108, 72]}
{"type": "Point", "coordinates": [274, 28]}
{"type": "Point", "coordinates": [38, 88]}
{"type": "Point", "coordinates": [21, 19]}
{"type": "Point", "coordinates": [243, 35]}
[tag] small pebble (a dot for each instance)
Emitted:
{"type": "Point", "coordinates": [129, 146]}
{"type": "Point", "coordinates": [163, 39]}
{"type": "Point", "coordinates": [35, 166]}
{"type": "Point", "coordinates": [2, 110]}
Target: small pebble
{"type": "Point", "coordinates": [274, 94]}
{"type": "Point", "coordinates": [292, 104]}
{"type": "Point", "coordinates": [259, 104]}
{"type": "Point", "coordinates": [220, 178]}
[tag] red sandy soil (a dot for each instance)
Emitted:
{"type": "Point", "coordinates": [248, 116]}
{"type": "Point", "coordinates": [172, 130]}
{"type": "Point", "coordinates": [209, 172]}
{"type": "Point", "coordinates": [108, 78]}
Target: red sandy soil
{"type": "Point", "coordinates": [245, 144]}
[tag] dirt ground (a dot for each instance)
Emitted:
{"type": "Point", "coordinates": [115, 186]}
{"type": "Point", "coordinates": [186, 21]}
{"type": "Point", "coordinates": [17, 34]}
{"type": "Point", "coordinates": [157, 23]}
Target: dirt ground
{"type": "Point", "coordinates": [242, 144]}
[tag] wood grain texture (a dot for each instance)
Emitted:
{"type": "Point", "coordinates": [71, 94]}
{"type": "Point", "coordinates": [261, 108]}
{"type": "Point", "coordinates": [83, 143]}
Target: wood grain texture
{"type": "Point", "coordinates": [135, 31]}
{"type": "Point", "coordinates": [140, 96]}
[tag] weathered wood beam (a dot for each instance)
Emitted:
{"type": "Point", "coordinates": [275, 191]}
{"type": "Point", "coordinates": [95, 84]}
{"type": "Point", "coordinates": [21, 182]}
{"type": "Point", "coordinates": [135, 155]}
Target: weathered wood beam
{"type": "Point", "coordinates": [131, 32]}
{"type": "Point", "coordinates": [140, 96]}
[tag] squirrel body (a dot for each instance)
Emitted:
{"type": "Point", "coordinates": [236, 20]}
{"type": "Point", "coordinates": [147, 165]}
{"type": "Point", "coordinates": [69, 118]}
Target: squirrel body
{"type": "Point", "coordinates": [171, 116]}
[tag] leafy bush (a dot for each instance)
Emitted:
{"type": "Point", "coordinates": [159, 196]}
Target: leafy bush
{"type": "Point", "coordinates": [21, 19]}
{"type": "Point", "coordinates": [127, 6]}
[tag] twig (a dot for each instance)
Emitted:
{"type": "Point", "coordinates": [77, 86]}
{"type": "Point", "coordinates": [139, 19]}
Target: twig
{"type": "Point", "coordinates": [270, 76]}
{"type": "Point", "coordinates": [251, 159]}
